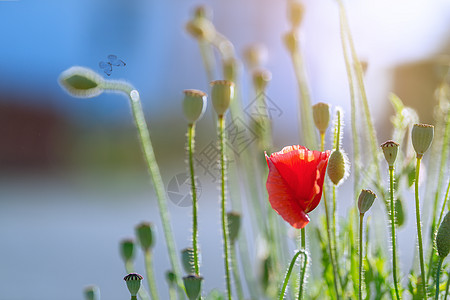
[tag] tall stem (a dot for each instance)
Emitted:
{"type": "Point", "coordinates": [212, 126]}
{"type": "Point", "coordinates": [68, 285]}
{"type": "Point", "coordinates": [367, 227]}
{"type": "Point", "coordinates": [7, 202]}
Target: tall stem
{"type": "Point", "coordinates": [191, 137]}
{"type": "Point", "coordinates": [448, 285]}
{"type": "Point", "coordinates": [150, 275]}
{"type": "Point", "coordinates": [303, 268]}
{"type": "Point", "coordinates": [226, 249]}
{"type": "Point", "coordinates": [152, 165]}
{"type": "Point", "coordinates": [236, 275]}
{"type": "Point", "coordinates": [288, 273]}
{"type": "Point", "coordinates": [361, 217]}
{"type": "Point", "coordinates": [394, 252]}
{"type": "Point", "coordinates": [419, 229]}
{"type": "Point", "coordinates": [438, 272]}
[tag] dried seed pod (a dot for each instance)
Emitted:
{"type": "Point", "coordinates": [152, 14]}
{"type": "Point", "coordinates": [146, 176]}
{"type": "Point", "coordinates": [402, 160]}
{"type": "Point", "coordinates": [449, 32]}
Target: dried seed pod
{"type": "Point", "coordinates": [365, 200]}
{"type": "Point", "coordinates": [390, 149]}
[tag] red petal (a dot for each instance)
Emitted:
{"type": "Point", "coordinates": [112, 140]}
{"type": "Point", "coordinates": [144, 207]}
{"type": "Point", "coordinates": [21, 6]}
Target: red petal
{"type": "Point", "coordinates": [283, 200]}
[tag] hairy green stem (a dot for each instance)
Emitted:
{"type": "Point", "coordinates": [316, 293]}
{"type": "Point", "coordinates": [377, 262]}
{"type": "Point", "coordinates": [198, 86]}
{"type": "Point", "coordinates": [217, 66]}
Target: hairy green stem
{"type": "Point", "coordinates": [288, 273]}
{"type": "Point", "coordinates": [150, 275]}
{"type": "Point", "coordinates": [438, 272]}
{"type": "Point", "coordinates": [448, 285]}
{"type": "Point", "coordinates": [153, 168]}
{"type": "Point", "coordinates": [191, 138]}
{"type": "Point", "coordinates": [303, 268]}
{"type": "Point", "coordinates": [419, 228]}
{"type": "Point", "coordinates": [226, 249]}
{"type": "Point", "coordinates": [236, 275]}
{"type": "Point", "coordinates": [393, 237]}
{"type": "Point", "coordinates": [361, 217]}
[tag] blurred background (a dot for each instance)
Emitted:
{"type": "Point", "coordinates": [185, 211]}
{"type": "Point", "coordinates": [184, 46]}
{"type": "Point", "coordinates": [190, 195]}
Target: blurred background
{"type": "Point", "coordinates": [72, 179]}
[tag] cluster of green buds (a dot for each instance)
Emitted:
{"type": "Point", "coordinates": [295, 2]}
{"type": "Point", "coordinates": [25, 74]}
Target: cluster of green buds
{"type": "Point", "coordinates": [365, 201]}
{"type": "Point", "coordinates": [133, 281]}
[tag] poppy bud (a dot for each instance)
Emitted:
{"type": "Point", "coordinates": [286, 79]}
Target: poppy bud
{"type": "Point", "coordinates": [221, 94]}
{"type": "Point", "coordinates": [81, 82]}
{"type": "Point", "coordinates": [338, 167]}
{"type": "Point", "coordinates": [422, 136]}
{"type": "Point", "coordinates": [144, 233]}
{"type": "Point", "coordinates": [365, 200]}
{"type": "Point", "coordinates": [261, 78]}
{"type": "Point", "coordinates": [187, 258]}
{"type": "Point", "coordinates": [296, 11]}
{"type": "Point", "coordinates": [133, 281]}
{"type": "Point", "coordinates": [399, 212]}
{"type": "Point", "coordinates": [193, 285]}
{"type": "Point", "coordinates": [201, 29]}
{"type": "Point", "coordinates": [127, 249]}
{"type": "Point", "coordinates": [321, 115]}
{"type": "Point", "coordinates": [255, 56]}
{"type": "Point", "coordinates": [171, 278]}
{"type": "Point", "coordinates": [92, 293]}
{"type": "Point", "coordinates": [194, 105]}
{"type": "Point", "coordinates": [234, 224]}
{"type": "Point", "coordinates": [443, 237]}
{"type": "Point", "coordinates": [291, 41]}
{"type": "Point", "coordinates": [390, 149]}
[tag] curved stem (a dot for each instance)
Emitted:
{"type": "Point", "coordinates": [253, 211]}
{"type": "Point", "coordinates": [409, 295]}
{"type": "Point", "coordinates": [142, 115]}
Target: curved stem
{"type": "Point", "coordinates": [394, 252]}
{"type": "Point", "coordinates": [419, 228]}
{"type": "Point", "coordinates": [223, 205]}
{"type": "Point", "coordinates": [191, 137]}
{"type": "Point", "coordinates": [361, 217]}
{"type": "Point", "coordinates": [303, 268]}
{"type": "Point", "coordinates": [438, 272]}
{"type": "Point", "coordinates": [288, 273]}
{"type": "Point", "coordinates": [150, 275]}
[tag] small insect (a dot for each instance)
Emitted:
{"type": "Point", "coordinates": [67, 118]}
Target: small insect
{"type": "Point", "coordinates": [106, 66]}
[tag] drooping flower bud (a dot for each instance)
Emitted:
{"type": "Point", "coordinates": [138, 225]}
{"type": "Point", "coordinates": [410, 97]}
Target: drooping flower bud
{"type": "Point", "coordinates": [81, 82]}
{"type": "Point", "coordinates": [194, 105]}
{"type": "Point", "coordinates": [234, 224]}
{"type": "Point", "coordinates": [291, 41]}
{"type": "Point", "coordinates": [127, 249]}
{"type": "Point", "coordinates": [145, 235]}
{"type": "Point", "coordinates": [261, 78]}
{"type": "Point", "coordinates": [390, 149]}
{"type": "Point", "coordinates": [133, 281]}
{"type": "Point", "coordinates": [92, 292]}
{"type": "Point", "coordinates": [187, 258]}
{"type": "Point", "coordinates": [365, 200]}
{"type": "Point", "coordinates": [422, 136]}
{"type": "Point", "coordinates": [201, 29]}
{"type": "Point", "coordinates": [321, 115]}
{"type": "Point", "coordinates": [255, 56]}
{"type": "Point", "coordinates": [222, 93]}
{"type": "Point", "coordinates": [296, 11]}
{"type": "Point", "coordinates": [443, 237]}
{"type": "Point", "coordinates": [193, 285]}
{"type": "Point", "coordinates": [338, 166]}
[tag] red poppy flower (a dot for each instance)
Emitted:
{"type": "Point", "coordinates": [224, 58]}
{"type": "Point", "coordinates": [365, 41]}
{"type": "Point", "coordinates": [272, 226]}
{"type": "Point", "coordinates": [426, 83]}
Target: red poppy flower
{"type": "Point", "coordinates": [295, 182]}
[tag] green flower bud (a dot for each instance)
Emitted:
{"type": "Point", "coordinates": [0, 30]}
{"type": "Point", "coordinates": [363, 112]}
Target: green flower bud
{"type": "Point", "coordinates": [81, 82]}
{"type": "Point", "coordinates": [338, 166]}
{"type": "Point", "coordinates": [261, 78]}
{"type": "Point", "coordinates": [221, 94]}
{"type": "Point", "coordinates": [422, 136]}
{"type": "Point", "coordinates": [390, 149]}
{"type": "Point", "coordinates": [133, 281]}
{"type": "Point", "coordinates": [291, 41]}
{"type": "Point", "coordinates": [201, 29]}
{"type": "Point", "coordinates": [321, 115]}
{"type": "Point", "coordinates": [234, 224]}
{"type": "Point", "coordinates": [296, 11]}
{"type": "Point", "coordinates": [193, 286]}
{"type": "Point", "coordinates": [127, 249]}
{"type": "Point", "coordinates": [443, 237]}
{"type": "Point", "coordinates": [171, 278]}
{"type": "Point", "coordinates": [92, 292]}
{"type": "Point", "coordinates": [144, 233]}
{"type": "Point", "coordinates": [365, 200]}
{"type": "Point", "coordinates": [255, 56]}
{"type": "Point", "coordinates": [194, 105]}
{"type": "Point", "coordinates": [187, 258]}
